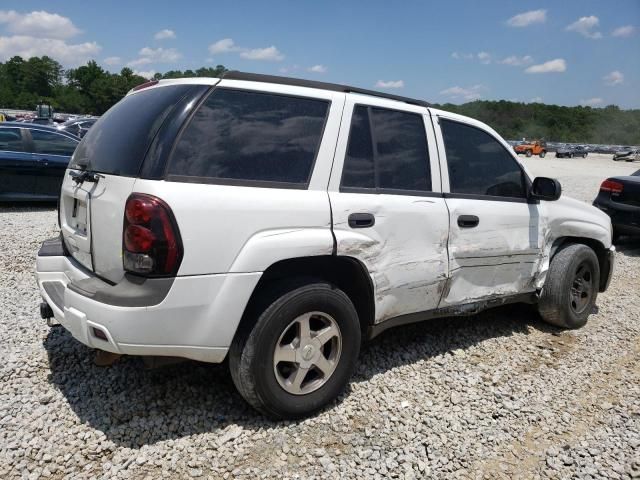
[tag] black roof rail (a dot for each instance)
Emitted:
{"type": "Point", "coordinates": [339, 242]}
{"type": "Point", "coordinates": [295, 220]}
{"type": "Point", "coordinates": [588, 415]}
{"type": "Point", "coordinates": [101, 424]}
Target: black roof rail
{"type": "Point", "coordinates": [334, 87]}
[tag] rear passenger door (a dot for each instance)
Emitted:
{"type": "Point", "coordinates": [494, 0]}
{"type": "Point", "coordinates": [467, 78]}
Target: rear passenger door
{"type": "Point", "coordinates": [17, 167]}
{"type": "Point", "coordinates": [52, 151]}
{"type": "Point", "coordinates": [494, 244]}
{"type": "Point", "coordinates": [387, 205]}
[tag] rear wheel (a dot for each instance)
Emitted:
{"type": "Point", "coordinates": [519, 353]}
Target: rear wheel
{"type": "Point", "coordinates": [571, 288]}
{"type": "Point", "coordinates": [300, 353]}
{"type": "Point", "coordinates": [542, 154]}
{"type": "Point", "coordinates": [571, 155]}
{"type": "Point", "coordinates": [528, 153]}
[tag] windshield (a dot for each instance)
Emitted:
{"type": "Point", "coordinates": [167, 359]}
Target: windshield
{"type": "Point", "coordinates": [117, 143]}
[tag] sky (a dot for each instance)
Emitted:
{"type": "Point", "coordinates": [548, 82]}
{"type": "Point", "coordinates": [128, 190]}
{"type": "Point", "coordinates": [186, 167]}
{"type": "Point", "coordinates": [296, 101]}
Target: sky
{"type": "Point", "coordinates": [574, 52]}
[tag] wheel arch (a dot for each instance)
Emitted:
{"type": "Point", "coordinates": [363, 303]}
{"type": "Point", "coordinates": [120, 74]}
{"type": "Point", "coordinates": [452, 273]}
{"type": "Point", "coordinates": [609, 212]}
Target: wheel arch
{"type": "Point", "coordinates": [601, 251]}
{"type": "Point", "coordinates": [347, 273]}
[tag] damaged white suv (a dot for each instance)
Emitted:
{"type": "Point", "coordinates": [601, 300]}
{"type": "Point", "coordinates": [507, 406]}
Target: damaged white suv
{"type": "Point", "coordinates": [281, 222]}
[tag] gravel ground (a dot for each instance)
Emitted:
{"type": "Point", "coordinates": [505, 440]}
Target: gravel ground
{"type": "Point", "coordinates": [498, 395]}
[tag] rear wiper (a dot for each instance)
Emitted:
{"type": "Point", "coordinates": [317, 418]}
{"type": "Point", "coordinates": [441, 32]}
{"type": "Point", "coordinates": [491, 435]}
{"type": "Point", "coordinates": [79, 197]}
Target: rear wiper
{"type": "Point", "coordinates": [85, 176]}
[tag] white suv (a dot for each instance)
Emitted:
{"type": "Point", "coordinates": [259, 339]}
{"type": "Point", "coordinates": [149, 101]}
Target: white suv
{"type": "Point", "coordinates": [280, 222]}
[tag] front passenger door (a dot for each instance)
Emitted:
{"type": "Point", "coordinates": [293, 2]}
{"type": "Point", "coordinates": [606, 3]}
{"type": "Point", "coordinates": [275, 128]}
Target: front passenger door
{"type": "Point", "coordinates": [495, 239]}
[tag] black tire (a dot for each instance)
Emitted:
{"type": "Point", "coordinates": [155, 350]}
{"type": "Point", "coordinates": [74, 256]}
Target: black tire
{"type": "Point", "coordinates": [584, 156]}
{"type": "Point", "coordinates": [542, 154]}
{"type": "Point", "coordinates": [529, 153]}
{"type": "Point", "coordinates": [252, 351]}
{"type": "Point", "coordinates": [557, 305]}
{"type": "Point", "coordinates": [571, 155]}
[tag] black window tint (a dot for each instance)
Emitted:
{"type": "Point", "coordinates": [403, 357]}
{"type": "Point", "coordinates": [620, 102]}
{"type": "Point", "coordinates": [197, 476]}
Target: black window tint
{"type": "Point", "coordinates": [11, 140]}
{"type": "Point", "coordinates": [52, 143]}
{"type": "Point", "coordinates": [479, 164]}
{"type": "Point", "coordinates": [358, 164]}
{"type": "Point", "coordinates": [402, 159]}
{"type": "Point", "coordinates": [117, 143]}
{"type": "Point", "coordinates": [251, 136]}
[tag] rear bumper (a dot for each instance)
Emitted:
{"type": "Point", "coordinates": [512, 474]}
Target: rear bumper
{"type": "Point", "coordinates": [192, 317]}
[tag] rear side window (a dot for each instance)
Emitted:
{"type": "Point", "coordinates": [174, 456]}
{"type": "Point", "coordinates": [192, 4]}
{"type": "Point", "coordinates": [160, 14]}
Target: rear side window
{"type": "Point", "coordinates": [11, 140]}
{"type": "Point", "coordinates": [479, 164]}
{"type": "Point", "coordinates": [242, 137]}
{"type": "Point", "coordinates": [50, 143]}
{"type": "Point", "coordinates": [387, 151]}
{"type": "Point", "coordinates": [117, 143]}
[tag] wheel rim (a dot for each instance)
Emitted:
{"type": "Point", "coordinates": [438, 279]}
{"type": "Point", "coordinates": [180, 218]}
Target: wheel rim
{"type": "Point", "coordinates": [581, 288]}
{"type": "Point", "coordinates": [307, 353]}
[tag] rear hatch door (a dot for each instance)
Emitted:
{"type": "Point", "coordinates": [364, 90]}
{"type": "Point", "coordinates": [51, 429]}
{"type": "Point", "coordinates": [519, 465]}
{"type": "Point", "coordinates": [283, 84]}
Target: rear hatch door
{"type": "Point", "coordinates": [103, 171]}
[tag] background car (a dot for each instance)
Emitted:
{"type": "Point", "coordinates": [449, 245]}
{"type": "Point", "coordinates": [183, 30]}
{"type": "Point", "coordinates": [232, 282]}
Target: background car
{"type": "Point", "coordinates": [619, 197]}
{"type": "Point", "coordinates": [535, 147]}
{"type": "Point", "coordinates": [571, 151]}
{"type": "Point", "coordinates": [627, 154]}
{"type": "Point", "coordinates": [33, 159]}
{"type": "Point", "coordinates": [78, 126]}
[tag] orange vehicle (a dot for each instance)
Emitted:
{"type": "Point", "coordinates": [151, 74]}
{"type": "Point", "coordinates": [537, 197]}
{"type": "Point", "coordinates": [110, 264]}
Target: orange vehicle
{"type": "Point", "coordinates": [535, 147]}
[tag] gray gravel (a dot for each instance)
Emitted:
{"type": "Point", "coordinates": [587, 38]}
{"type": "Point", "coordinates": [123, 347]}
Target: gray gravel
{"type": "Point", "coordinates": [499, 395]}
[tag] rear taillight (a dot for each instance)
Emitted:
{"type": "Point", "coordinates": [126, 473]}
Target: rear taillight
{"type": "Point", "coordinates": [611, 186]}
{"type": "Point", "coordinates": [151, 241]}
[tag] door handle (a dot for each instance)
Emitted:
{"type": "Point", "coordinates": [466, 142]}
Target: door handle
{"type": "Point", "coordinates": [361, 220]}
{"type": "Point", "coordinates": [468, 221]}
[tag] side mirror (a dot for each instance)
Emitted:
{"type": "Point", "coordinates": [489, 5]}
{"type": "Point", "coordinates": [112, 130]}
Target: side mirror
{"type": "Point", "coordinates": [546, 189]}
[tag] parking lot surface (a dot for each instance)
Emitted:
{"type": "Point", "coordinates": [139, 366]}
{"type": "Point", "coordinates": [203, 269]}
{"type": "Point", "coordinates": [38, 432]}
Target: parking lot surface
{"type": "Point", "coordinates": [497, 395]}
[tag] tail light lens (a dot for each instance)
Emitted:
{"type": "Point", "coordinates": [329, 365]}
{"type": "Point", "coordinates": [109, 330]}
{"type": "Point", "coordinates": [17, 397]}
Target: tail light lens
{"type": "Point", "coordinates": [151, 240]}
{"type": "Point", "coordinates": [611, 186]}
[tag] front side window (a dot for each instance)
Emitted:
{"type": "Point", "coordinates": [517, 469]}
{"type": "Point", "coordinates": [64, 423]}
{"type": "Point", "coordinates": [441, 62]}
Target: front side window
{"type": "Point", "coordinates": [11, 140]}
{"type": "Point", "coordinates": [52, 143]}
{"type": "Point", "coordinates": [479, 164]}
{"type": "Point", "coordinates": [247, 136]}
{"type": "Point", "coordinates": [387, 151]}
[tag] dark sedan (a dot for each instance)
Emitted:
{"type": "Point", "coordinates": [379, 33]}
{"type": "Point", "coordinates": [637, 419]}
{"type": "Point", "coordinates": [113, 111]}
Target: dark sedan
{"type": "Point", "coordinates": [33, 159]}
{"type": "Point", "coordinates": [570, 151]}
{"type": "Point", "coordinates": [619, 197]}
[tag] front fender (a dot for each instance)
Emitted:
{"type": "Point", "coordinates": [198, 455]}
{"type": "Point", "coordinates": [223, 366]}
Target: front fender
{"type": "Point", "coordinates": [571, 220]}
{"type": "Point", "coordinates": [270, 246]}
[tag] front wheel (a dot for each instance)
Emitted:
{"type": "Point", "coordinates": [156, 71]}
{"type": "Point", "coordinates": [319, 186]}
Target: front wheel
{"type": "Point", "coordinates": [529, 153]}
{"type": "Point", "coordinates": [571, 288]}
{"type": "Point", "coordinates": [300, 353]}
{"type": "Point", "coordinates": [542, 154]}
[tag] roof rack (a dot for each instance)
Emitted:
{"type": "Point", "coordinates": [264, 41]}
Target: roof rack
{"type": "Point", "coordinates": [334, 87]}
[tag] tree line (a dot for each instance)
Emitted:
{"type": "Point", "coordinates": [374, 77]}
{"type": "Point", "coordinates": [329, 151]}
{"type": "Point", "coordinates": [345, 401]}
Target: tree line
{"type": "Point", "coordinates": [90, 89]}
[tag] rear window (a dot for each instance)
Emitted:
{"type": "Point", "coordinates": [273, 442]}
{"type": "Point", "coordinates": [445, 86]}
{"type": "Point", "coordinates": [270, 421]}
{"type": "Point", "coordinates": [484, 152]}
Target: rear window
{"type": "Point", "coordinates": [117, 143]}
{"type": "Point", "coordinates": [50, 143]}
{"type": "Point", "coordinates": [244, 137]}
